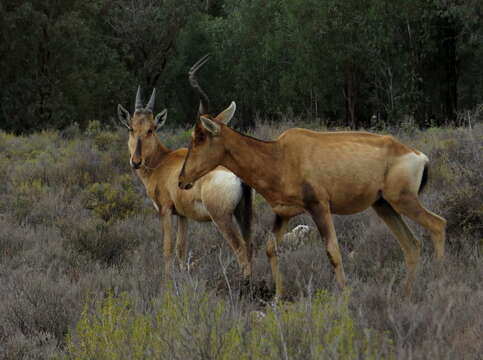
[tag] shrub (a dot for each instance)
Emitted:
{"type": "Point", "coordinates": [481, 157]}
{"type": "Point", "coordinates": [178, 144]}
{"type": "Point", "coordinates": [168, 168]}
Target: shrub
{"type": "Point", "coordinates": [11, 237]}
{"type": "Point", "coordinates": [81, 165]}
{"type": "Point", "coordinates": [26, 194]}
{"type": "Point", "coordinates": [104, 140]}
{"type": "Point", "coordinates": [36, 313]}
{"type": "Point", "coordinates": [111, 201]}
{"type": "Point", "coordinates": [93, 128]}
{"type": "Point", "coordinates": [457, 170]}
{"type": "Point", "coordinates": [62, 254]}
{"type": "Point", "coordinates": [109, 243]}
{"type": "Point", "coordinates": [191, 324]}
{"type": "Point", "coordinates": [175, 139]}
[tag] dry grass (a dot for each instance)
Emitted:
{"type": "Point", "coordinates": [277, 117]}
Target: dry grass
{"type": "Point", "coordinates": [69, 238]}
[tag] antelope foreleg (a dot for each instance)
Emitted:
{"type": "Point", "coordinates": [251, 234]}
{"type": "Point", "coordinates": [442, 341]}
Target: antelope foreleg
{"type": "Point", "coordinates": [323, 220]}
{"type": "Point", "coordinates": [279, 228]}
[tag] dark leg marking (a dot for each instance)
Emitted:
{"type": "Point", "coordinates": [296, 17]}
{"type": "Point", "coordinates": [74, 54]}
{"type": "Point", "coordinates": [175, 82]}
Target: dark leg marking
{"type": "Point", "coordinates": [277, 223]}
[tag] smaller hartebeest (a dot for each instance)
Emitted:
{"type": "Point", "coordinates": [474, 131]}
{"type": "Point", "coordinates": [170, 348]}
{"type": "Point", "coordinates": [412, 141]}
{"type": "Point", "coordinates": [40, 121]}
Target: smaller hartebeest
{"type": "Point", "coordinates": [322, 173]}
{"type": "Point", "coordinates": [219, 196]}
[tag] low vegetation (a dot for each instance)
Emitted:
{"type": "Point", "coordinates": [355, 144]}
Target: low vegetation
{"type": "Point", "coordinates": [189, 324]}
{"type": "Point", "coordinates": [81, 265]}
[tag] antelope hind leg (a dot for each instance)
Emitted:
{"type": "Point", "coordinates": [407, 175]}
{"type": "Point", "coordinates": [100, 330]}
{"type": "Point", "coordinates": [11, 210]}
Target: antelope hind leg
{"type": "Point", "coordinates": [166, 221]}
{"type": "Point", "coordinates": [410, 246]}
{"type": "Point", "coordinates": [181, 241]}
{"type": "Point", "coordinates": [230, 231]}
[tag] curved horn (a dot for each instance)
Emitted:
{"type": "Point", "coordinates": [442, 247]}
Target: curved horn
{"type": "Point", "coordinates": [150, 105]}
{"type": "Point", "coordinates": [139, 103]}
{"type": "Point", "coordinates": [204, 101]}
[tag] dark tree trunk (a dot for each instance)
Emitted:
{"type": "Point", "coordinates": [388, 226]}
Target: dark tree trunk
{"type": "Point", "coordinates": [450, 105]}
{"type": "Point", "coordinates": [350, 94]}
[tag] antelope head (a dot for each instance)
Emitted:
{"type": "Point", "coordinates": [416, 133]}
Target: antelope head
{"type": "Point", "coordinates": [142, 126]}
{"type": "Point", "coordinates": [207, 147]}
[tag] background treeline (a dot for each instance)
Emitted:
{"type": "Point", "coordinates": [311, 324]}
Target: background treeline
{"type": "Point", "coordinates": [355, 63]}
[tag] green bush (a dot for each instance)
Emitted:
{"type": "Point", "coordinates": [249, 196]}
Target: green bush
{"type": "Point", "coordinates": [193, 325]}
{"type": "Point", "coordinates": [175, 139]}
{"type": "Point", "coordinates": [26, 194]}
{"type": "Point", "coordinates": [111, 201]}
{"type": "Point", "coordinates": [22, 147]}
{"type": "Point", "coordinates": [102, 138]}
{"type": "Point", "coordinates": [93, 128]}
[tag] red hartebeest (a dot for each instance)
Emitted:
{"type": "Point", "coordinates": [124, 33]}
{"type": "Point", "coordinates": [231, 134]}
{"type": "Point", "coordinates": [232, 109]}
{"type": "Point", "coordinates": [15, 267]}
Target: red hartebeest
{"type": "Point", "coordinates": [219, 195]}
{"type": "Point", "coordinates": [322, 173]}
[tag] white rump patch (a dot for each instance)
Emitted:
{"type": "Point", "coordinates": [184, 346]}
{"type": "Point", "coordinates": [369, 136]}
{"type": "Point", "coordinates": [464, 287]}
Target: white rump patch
{"type": "Point", "coordinates": [228, 186]}
{"type": "Point", "coordinates": [414, 165]}
{"type": "Point", "coordinates": [225, 179]}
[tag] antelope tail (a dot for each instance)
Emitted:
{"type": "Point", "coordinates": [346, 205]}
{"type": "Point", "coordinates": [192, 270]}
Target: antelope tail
{"type": "Point", "coordinates": [424, 179]}
{"type": "Point", "coordinates": [243, 213]}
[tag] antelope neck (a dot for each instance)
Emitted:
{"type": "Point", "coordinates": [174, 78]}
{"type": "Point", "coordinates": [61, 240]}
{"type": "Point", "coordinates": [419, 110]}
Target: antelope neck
{"type": "Point", "coordinates": [255, 161]}
{"type": "Point", "coordinates": [154, 161]}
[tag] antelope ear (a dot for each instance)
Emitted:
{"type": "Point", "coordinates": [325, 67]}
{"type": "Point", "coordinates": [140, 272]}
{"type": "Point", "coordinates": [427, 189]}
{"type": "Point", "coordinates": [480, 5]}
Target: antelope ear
{"type": "Point", "coordinates": [226, 115]}
{"type": "Point", "coordinates": [160, 119]}
{"type": "Point", "coordinates": [210, 125]}
{"type": "Point", "coordinates": [123, 116]}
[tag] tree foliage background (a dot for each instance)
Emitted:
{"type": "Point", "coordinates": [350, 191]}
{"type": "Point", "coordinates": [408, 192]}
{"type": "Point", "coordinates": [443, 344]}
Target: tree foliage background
{"type": "Point", "coordinates": [355, 63]}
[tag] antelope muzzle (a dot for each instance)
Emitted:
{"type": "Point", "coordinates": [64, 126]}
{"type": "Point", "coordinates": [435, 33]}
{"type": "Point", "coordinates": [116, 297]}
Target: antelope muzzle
{"type": "Point", "coordinates": [136, 158]}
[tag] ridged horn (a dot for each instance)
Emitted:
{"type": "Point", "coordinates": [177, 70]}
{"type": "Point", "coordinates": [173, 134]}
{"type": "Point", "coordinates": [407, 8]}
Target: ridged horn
{"type": "Point", "coordinates": [150, 105]}
{"type": "Point", "coordinates": [139, 103]}
{"type": "Point", "coordinates": [204, 101]}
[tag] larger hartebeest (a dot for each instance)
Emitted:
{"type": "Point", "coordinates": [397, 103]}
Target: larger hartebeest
{"type": "Point", "coordinates": [322, 173]}
{"type": "Point", "coordinates": [219, 196]}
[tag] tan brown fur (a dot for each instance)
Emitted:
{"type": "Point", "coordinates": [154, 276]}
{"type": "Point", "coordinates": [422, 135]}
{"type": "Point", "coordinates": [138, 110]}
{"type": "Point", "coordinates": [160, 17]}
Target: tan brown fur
{"type": "Point", "coordinates": [158, 167]}
{"type": "Point", "coordinates": [322, 173]}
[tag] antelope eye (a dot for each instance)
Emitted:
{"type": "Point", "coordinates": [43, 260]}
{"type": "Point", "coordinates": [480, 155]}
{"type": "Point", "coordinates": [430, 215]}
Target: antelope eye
{"type": "Point", "coordinates": [130, 130]}
{"type": "Point", "coordinates": [150, 131]}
